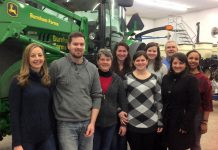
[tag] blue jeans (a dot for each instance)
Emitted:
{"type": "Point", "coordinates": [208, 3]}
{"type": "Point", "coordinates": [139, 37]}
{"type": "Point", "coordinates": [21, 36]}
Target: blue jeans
{"type": "Point", "coordinates": [71, 136]}
{"type": "Point", "coordinates": [103, 137]}
{"type": "Point", "coordinates": [48, 144]}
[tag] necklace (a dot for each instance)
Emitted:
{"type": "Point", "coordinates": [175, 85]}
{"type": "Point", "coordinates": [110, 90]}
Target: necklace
{"type": "Point", "coordinates": [141, 75]}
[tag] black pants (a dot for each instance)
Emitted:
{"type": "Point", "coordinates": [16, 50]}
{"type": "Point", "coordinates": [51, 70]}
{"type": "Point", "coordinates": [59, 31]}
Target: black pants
{"type": "Point", "coordinates": [141, 141]}
{"type": "Point", "coordinates": [118, 142]}
{"type": "Point", "coordinates": [1, 136]}
{"type": "Point", "coordinates": [159, 142]}
{"type": "Point", "coordinates": [48, 144]}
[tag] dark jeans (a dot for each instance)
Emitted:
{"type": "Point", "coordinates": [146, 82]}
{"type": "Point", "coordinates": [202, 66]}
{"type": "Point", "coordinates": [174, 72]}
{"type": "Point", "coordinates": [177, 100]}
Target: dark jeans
{"type": "Point", "coordinates": [48, 144]}
{"type": "Point", "coordinates": [118, 142]}
{"type": "Point", "coordinates": [103, 137]}
{"type": "Point", "coordinates": [197, 129]}
{"type": "Point", "coordinates": [141, 141]}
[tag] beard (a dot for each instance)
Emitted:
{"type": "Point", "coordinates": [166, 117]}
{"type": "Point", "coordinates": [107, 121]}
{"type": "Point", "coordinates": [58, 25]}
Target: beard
{"type": "Point", "coordinates": [77, 55]}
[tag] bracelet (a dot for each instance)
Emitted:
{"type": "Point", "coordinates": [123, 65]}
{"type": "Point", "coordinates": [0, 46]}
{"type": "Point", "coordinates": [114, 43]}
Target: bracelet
{"type": "Point", "coordinates": [204, 123]}
{"type": "Point", "coordinates": [123, 125]}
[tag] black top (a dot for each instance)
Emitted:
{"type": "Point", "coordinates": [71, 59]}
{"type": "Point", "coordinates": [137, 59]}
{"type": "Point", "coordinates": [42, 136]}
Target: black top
{"type": "Point", "coordinates": [105, 74]}
{"type": "Point", "coordinates": [181, 99]}
{"type": "Point", "coordinates": [123, 72]}
{"type": "Point", "coordinates": [31, 113]}
{"type": "Point", "coordinates": [180, 92]}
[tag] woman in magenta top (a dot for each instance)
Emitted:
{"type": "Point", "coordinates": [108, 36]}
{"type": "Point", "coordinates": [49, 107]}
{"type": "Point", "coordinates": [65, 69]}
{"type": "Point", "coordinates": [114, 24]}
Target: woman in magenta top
{"type": "Point", "coordinates": [205, 88]}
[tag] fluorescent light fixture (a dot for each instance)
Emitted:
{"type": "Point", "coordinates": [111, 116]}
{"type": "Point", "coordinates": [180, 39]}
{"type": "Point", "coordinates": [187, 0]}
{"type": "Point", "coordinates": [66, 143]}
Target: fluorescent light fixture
{"type": "Point", "coordinates": [95, 6]}
{"type": "Point", "coordinates": [164, 4]}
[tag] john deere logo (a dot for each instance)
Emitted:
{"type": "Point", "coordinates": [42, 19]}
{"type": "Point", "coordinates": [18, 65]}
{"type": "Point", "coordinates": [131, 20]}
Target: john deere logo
{"type": "Point", "coordinates": [12, 10]}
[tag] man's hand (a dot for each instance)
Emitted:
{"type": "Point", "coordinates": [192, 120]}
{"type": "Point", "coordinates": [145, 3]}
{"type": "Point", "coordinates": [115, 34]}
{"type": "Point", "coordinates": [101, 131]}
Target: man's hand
{"type": "Point", "coordinates": [90, 130]}
{"type": "Point", "coordinates": [91, 127]}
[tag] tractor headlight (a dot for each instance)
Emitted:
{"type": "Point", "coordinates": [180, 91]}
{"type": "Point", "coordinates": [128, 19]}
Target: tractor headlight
{"type": "Point", "coordinates": [92, 36]}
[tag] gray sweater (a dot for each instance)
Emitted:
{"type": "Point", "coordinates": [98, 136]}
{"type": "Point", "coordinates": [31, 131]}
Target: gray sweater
{"type": "Point", "coordinates": [160, 73]}
{"type": "Point", "coordinates": [77, 89]}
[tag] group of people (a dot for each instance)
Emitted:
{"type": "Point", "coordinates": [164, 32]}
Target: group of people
{"type": "Point", "coordinates": [153, 104]}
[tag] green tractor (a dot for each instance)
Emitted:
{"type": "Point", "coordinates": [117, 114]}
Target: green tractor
{"type": "Point", "coordinates": [49, 22]}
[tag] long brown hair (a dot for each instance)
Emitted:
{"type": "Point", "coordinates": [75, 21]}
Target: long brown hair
{"type": "Point", "coordinates": [127, 61]}
{"type": "Point", "coordinates": [181, 57]}
{"type": "Point", "coordinates": [157, 60]}
{"type": "Point", "coordinates": [23, 76]}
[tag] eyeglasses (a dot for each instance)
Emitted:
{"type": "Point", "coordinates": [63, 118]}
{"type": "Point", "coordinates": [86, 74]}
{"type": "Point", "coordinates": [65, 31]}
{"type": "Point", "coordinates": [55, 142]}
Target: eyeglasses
{"type": "Point", "coordinates": [171, 46]}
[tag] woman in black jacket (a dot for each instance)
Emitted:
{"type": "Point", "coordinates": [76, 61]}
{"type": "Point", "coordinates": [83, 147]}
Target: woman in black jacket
{"type": "Point", "coordinates": [114, 97]}
{"type": "Point", "coordinates": [181, 99]}
{"type": "Point", "coordinates": [30, 103]}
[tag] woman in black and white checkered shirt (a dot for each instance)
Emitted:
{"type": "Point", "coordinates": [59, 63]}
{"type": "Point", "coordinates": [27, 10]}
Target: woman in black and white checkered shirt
{"type": "Point", "coordinates": [144, 105]}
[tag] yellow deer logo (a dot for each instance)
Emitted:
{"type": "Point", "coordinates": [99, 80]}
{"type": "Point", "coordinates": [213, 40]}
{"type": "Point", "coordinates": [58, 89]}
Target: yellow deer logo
{"type": "Point", "coordinates": [12, 10]}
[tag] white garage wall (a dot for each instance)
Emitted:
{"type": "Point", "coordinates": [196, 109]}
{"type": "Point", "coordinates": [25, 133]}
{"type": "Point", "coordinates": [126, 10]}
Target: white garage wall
{"type": "Point", "coordinates": [207, 18]}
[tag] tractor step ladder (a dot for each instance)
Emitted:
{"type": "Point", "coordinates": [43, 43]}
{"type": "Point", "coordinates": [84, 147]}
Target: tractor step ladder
{"type": "Point", "coordinates": [183, 34]}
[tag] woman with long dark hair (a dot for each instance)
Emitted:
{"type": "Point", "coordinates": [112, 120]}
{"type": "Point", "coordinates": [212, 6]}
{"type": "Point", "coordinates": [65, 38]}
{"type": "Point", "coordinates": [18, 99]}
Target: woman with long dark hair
{"type": "Point", "coordinates": [155, 64]}
{"type": "Point", "coordinates": [122, 61]}
{"type": "Point", "coordinates": [205, 88]}
{"type": "Point", "coordinates": [121, 65]}
{"type": "Point", "coordinates": [181, 99]}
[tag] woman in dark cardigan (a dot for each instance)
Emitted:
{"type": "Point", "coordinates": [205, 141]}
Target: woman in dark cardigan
{"type": "Point", "coordinates": [30, 103]}
{"type": "Point", "coordinates": [121, 65]}
{"type": "Point", "coordinates": [114, 96]}
{"type": "Point", "coordinates": [181, 99]}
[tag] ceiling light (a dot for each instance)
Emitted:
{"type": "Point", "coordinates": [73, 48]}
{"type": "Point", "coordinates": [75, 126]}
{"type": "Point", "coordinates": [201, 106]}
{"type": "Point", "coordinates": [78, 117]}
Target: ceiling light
{"type": "Point", "coordinates": [164, 4]}
{"type": "Point", "coordinates": [95, 6]}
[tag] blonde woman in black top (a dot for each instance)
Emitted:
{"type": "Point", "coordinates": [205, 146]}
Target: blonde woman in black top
{"type": "Point", "coordinates": [30, 103]}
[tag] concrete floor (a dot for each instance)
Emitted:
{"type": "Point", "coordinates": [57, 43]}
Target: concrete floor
{"type": "Point", "coordinates": [6, 143]}
{"type": "Point", "coordinates": [209, 140]}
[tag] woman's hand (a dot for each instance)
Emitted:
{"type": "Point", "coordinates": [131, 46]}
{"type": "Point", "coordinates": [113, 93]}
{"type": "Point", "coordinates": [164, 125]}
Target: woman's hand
{"type": "Point", "coordinates": [159, 130]}
{"type": "Point", "coordinates": [19, 147]}
{"type": "Point", "coordinates": [203, 128]}
{"type": "Point", "coordinates": [122, 130]}
{"type": "Point", "coordinates": [182, 131]}
{"type": "Point", "coordinates": [123, 118]}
